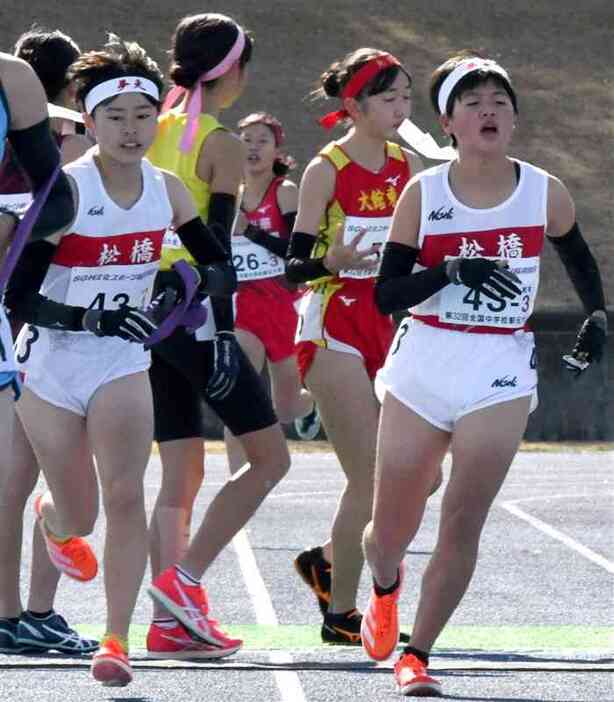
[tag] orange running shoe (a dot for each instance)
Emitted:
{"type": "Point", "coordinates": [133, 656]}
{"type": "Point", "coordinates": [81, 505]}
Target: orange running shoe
{"type": "Point", "coordinates": [73, 557]}
{"type": "Point", "coordinates": [379, 629]}
{"type": "Point", "coordinates": [188, 604]}
{"type": "Point", "coordinates": [110, 665]}
{"type": "Point", "coordinates": [412, 678]}
{"type": "Point", "coordinates": [175, 643]}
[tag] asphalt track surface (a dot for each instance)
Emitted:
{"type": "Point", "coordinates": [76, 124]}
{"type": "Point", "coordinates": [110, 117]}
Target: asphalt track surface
{"type": "Point", "coordinates": [536, 623]}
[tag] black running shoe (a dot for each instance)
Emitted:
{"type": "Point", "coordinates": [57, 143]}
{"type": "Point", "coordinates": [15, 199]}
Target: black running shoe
{"type": "Point", "coordinates": [52, 633]}
{"type": "Point", "coordinates": [344, 629]}
{"type": "Point", "coordinates": [8, 637]}
{"type": "Point", "coordinates": [314, 569]}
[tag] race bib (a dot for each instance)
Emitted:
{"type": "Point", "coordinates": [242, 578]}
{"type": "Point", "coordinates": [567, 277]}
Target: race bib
{"type": "Point", "coordinates": [16, 202]}
{"type": "Point", "coordinates": [377, 231]}
{"type": "Point", "coordinates": [254, 262]}
{"type": "Point", "coordinates": [462, 305]}
{"type": "Point", "coordinates": [111, 287]}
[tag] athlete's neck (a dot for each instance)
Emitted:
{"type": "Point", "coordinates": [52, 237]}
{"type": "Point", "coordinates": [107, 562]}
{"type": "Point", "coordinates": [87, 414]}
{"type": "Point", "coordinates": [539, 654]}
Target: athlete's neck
{"type": "Point", "coordinates": [365, 149]}
{"type": "Point", "coordinates": [255, 187]}
{"type": "Point", "coordinates": [122, 181]}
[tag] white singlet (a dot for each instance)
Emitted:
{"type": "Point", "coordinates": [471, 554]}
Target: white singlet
{"type": "Point", "coordinates": [109, 259]}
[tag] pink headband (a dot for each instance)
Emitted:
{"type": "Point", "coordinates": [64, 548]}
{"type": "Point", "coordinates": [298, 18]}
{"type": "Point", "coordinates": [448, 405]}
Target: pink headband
{"type": "Point", "coordinates": [194, 94]}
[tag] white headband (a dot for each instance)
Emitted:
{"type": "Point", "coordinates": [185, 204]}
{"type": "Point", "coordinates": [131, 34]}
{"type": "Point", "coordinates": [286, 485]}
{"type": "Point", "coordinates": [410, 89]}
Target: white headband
{"type": "Point", "coordinates": [465, 67]}
{"type": "Point", "coordinates": [119, 86]}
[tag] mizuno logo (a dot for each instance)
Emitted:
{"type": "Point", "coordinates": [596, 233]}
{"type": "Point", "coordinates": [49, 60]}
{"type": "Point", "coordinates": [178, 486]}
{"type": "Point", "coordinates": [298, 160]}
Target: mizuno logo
{"type": "Point", "coordinates": [347, 301]}
{"type": "Point", "coordinates": [393, 180]}
{"type": "Point", "coordinates": [96, 211]}
{"type": "Point", "coordinates": [505, 382]}
{"type": "Point", "coordinates": [264, 208]}
{"type": "Point", "coordinates": [439, 214]}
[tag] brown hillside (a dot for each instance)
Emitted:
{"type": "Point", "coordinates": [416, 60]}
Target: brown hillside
{"type": "Point", "coordinates": [559, 53]}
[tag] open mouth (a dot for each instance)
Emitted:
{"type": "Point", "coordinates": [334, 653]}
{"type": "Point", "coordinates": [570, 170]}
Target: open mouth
{"type": "Point", "coordinates": [489, 129]}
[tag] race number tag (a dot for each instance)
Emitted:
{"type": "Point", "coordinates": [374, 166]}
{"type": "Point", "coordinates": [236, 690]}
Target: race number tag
{"type": "Point", "coordinates": [377, 231]}
{"type": "Point", "coordinates": [462, 305]}
{"type": "Point", "coordinates": [254, 262]}
{"type": "Point", "coordinates": [111, 287]}
{"type": "Point", "coordinates": [16, 202]}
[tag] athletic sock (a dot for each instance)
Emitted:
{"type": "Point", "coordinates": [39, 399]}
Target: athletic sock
{"type": "Point", "coordinates": [40, 615]}
{"type": "Point", "coordinates": [381, 591]}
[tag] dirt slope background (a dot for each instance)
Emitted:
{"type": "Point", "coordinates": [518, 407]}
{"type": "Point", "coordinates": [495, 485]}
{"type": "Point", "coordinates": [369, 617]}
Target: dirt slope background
{"type": "Point", "coordinates": [559, 53]}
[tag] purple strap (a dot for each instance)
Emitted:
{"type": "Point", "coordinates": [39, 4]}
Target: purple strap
{"type": "Point", "coordinates": [174, 319]}
{"type": "Point", "coordinates": [24, 228]}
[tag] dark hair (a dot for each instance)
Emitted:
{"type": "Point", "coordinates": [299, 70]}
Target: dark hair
{"type": "Point", "coordinates": [338, 75]}
{"type": "Point", "coordinates": [50, 53]}
{"type": "Point", "coordinates": [200, 42]}
{"type": "Point", "coordinates": [117, 59]}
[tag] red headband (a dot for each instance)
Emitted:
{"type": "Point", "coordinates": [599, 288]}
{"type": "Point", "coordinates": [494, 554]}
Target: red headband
{"type": "Point", "coordinates": [357, 82]}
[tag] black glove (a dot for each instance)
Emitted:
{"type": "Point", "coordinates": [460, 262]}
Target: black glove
{"type": "Point", "coordinates": [225, 365]}
{"type": "Point", "coordinates": [127, 323]}
{"type": "Point", "coordinates": [589, 345]}
{"type": "Point", "coordinates": [489, 277]}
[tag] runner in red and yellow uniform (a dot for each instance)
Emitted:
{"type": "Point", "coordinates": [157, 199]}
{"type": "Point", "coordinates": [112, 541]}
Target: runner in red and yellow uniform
{"type": "Point", "coordinates": [347, 197]}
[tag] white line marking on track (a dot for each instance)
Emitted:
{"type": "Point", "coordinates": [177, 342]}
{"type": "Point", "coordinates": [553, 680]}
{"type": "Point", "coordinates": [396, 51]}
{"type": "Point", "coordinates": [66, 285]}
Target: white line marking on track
{"type": "Point", "coordinates": [287, 681]}
{"type": "Point", "coordinates": [511, 506]}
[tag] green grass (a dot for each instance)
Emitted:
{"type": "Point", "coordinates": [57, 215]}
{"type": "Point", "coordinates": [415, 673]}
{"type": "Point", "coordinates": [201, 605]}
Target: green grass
{"type": "Point", "coordinates": [487, 638]}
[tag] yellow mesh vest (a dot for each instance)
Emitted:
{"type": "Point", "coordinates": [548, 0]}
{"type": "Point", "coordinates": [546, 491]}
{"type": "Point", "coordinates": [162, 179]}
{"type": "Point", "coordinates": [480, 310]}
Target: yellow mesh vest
{"type": "Point", "coordinates": [165, 153]}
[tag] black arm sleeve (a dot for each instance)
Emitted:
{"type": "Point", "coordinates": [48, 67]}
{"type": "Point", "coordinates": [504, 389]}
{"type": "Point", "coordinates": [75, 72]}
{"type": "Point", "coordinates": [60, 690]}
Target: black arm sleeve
{"type": "Point", "coordinates": [39, 155]}
{"type": "Point", "coordinates": [397, 288]}
{"type": "Point", "coordinates": [271, 243]}
{"type": "Point", "coordinates": [202, 241]}
{"type": "Point", "coordinates": [299, 267]}
{"type": "Point", "coordinates": [581, 268]}
{"type": "Point", "coordinates": [23, 299]}
{"type": "Point", "coordinates": [289, 219]}
{"type": "Point", "coordinates": [221, 213]}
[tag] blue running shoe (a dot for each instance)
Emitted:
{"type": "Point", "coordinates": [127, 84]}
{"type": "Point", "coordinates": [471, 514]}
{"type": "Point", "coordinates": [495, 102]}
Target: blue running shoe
{"type": "Point", "coordinates": [52, 633]}
{"type": "Point", "coordinates": [8, 637]}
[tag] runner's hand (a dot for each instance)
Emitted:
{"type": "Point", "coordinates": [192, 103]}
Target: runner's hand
{"type": "Point", "coordinates": [343, 257]}
{"type": "Point", "coordinates": [127, 323]}
{"type": "Point", "coordinates": [225, 365]}
{"type": "Point", "coordinates": [492, 278]}
{"type": "Point", "coordinates": [589, 345]}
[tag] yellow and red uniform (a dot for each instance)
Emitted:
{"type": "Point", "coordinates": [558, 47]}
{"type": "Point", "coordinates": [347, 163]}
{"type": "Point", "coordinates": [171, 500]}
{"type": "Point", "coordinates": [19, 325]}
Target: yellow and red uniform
{"type": "Point", "coordinates": [339, 311]}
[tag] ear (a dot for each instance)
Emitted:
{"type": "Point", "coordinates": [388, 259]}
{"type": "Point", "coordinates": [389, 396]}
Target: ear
{"type": "Point", "coordinates": [353, 108]}
{"type": "Point", "coordinates": [445, 123]}
{"type": "Point", "coordinates": [89, 123]}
